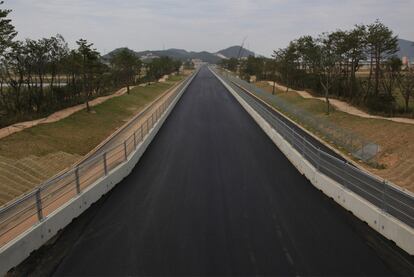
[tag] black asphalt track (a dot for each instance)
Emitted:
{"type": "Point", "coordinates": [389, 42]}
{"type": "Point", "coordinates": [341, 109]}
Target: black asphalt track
{"type": "Point", "coordinates": [214, 196]}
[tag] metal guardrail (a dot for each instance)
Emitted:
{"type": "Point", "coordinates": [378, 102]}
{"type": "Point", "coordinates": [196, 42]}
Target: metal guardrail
{"type": "Point", "coordinates": [379, 192]}
{"type": "Point", "coordinates": [20, 215]}
{"type": "Point", "coordinates": [358, 146]}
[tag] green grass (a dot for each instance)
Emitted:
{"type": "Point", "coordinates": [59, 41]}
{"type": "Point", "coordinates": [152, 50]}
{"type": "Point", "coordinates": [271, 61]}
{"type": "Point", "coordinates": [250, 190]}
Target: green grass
{"type": "Point", "coordinates": [82, 131]}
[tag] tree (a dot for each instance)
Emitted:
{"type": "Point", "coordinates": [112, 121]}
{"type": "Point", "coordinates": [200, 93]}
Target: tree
{"type": "Point", "coordinates": [7, 34]}
{"type": "Point", "coordinates": [328, 69]}
{"type": "Point", "coordinates": [271, 66]}
{"type": "Point", "coordinates": [406, 84]}
{"type": "Point", "coordinates": [287, 63]}
{"type": "Point", "coordinates": [7, 31]}
{"type": "Point", "coordinates": [230, 64]}
{"type": "Point", "coordinates": [39, 53]}
{"type": "Point", "coordinates": [15, 61]}
{"type": "Point", "coordinates": [160, 67]}
{"type": "Point", "coordinates": [33, 69]}
{"type": "Point", "coordinates": [90, 57]}
{"type": "Point", "coordinates": [126, 65]}
{"type": "Point", "coordinates": [390, 76]}
{"type": "Point", "coordinates": [73, 68]}
{"type": "Point", "coordinates": [382, 44]}
{"type": "Point", "coordinates": [308, 52]}
{"type": "Point", "coordinates": [354, 45]}
{"type": "Point", "coordinates": [253, 66]}
{"type": "Point", "coordinates": [58, 51]}
{"type": "Point", "coordinates": [329, 65]}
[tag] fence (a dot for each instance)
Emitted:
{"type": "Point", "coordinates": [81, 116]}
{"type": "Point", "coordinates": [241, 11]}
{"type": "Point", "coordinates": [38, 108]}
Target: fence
{"type": "Point", "coordinates": [382, 194]}
{"type": "Point", "coordinates": [21, 214]}
{"type": "Point", "coordinates": [351, 142]}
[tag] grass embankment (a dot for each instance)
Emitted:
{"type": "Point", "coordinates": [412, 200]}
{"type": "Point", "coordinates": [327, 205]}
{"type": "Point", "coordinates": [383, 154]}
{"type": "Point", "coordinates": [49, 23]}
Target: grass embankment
{"type": "Point", "coordinates": [33, 155]}
{"type": "Point", "coordinates": [396, 140]}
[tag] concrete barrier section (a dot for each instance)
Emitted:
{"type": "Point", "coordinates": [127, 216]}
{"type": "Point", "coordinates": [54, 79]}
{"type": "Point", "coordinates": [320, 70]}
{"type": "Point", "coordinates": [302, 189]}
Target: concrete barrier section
{"type": "Point", "coordinates": [382, 222]}
{"type": "Point", "coordinates": [22, 246]}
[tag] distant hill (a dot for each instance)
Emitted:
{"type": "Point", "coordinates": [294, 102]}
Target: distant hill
{"type": "Point", "coordinates": [110, 54]}
{"type": "Point", "coordinates": [233, 52]}
{"type": "Point", "coordinates": [406, 49]}
{"type": "Point", "coordinates": [182, 54]}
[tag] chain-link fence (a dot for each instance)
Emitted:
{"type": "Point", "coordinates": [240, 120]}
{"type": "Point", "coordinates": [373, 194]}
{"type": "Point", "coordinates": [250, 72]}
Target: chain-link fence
{"type": "Point", "coordinates": [352, 143]}
{"type": "Point", "coordinates": [21, 214]}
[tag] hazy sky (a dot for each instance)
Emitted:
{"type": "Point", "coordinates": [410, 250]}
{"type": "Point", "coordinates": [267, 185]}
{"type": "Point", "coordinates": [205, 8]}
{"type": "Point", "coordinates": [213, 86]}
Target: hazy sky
{"type": "Point", "coordinates": [201, 25]}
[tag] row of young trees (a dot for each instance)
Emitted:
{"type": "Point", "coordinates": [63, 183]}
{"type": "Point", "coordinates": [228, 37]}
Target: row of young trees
{"type": "Point", "coordinates": [38, 77]}
{"type": "Point", "coordinates": [330, 65]}
{"type": "Point", "coordinates": [159, 67]}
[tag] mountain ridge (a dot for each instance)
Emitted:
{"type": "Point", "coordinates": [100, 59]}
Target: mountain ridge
{"type": "Point", "coordinates": [406, 49]}
{"type": "Point", "coordinates": [182, 54]}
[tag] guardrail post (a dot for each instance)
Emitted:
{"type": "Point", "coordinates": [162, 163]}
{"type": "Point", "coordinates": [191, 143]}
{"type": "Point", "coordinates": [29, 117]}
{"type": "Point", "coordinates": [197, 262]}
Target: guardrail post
{"type": "Point", "coordinates": [105, 164]}
{"type": "Point", "coordinates": [125, 150]}
{"type": "Point", "coordinates": [39, 205]}
{"type": "Point", "coordinates": [77, 180]}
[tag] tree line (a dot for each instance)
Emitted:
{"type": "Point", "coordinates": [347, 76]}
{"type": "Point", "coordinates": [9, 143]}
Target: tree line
{"type": "Point", "coordinates": [38, 77]}
{"type": "Point", "coordinates": [358, 65]}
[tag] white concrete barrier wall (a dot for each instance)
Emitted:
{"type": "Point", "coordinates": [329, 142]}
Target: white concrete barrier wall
{"type": "Point", "coordinates": [382, 222]}
{"type": "Point", "coordinates": [16, 251]}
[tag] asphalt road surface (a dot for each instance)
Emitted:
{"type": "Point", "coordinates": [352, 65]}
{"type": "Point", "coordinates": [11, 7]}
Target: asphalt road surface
{"type": "Point", "coordinates": [214, 196]}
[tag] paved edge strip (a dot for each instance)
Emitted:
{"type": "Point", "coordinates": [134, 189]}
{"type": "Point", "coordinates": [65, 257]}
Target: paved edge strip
{"type": "Point", "coordinates": [17, 250]}
{"type": "Point", "coordinates": [383, 223]}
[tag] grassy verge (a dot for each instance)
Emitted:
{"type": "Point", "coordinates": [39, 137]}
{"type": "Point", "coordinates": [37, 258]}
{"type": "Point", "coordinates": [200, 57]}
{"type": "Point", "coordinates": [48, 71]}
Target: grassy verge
{"type": "Point", "coordinates": [33, 155]}
{"type": "Point", "coordinates": [82, 131]}
{"type": "Point", "coordinates": [396, 157]}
